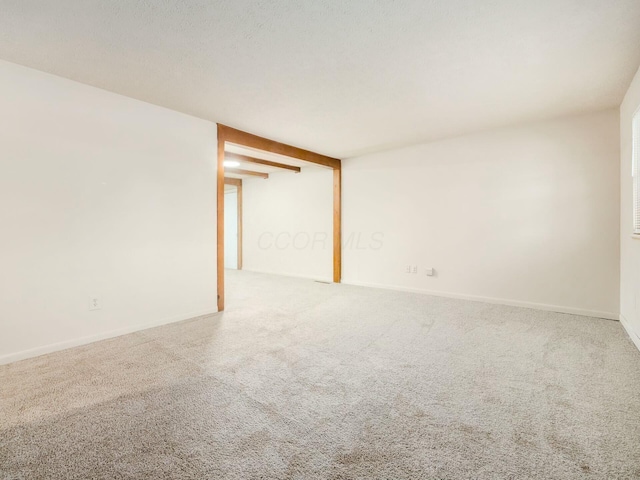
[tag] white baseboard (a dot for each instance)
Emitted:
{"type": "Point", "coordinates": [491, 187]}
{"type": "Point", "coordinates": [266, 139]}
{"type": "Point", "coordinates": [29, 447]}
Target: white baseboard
{"type": "Point", "coordinates": [76, 342]}
{"type": "Point", "coordinates": [499, 301]}
{"type": "Point", "coordinates": [293, 275]}
{"type": "Point", "coordinates": [635, 338]}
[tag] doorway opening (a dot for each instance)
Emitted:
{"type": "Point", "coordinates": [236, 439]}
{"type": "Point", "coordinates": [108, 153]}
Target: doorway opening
{"type": "Point", "coordinates": [240, 166]}
{"type": "Point", "coordinates": [233, 223]}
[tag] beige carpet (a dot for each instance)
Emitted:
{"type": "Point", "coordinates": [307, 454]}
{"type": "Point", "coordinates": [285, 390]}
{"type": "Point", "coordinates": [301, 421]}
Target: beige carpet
{"type": "Point", "coordinates": [307, 380]}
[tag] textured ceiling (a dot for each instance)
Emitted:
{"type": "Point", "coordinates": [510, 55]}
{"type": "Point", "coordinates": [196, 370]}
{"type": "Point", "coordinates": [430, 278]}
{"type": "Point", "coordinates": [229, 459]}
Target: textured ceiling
{"type": "Point", "coordinates": [339, 77]}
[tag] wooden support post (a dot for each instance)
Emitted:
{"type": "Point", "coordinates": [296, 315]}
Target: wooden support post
{"type": "Point", "coordinates": [337, 224]}
{"type": "Point", "coordinates": [220, 223]}
{"type": "Point", "coordinates": [239, 190]}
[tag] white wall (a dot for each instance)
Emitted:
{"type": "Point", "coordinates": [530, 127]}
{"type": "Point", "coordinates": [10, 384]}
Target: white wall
{"type": "Point", "coordinates": [287, 223]}
{"type": "Point", "coordinates": [629, 247]}
{"type": "Point", "coordinates": [231, 229]}
{"type": "Point", "coordinates": [99, 195]}
{"type": "Point", "coordinates": [526, 215]}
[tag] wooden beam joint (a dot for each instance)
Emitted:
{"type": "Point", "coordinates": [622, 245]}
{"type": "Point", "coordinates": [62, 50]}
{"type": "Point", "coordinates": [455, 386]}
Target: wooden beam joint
{"type": "Point", "coordinates": [231, 135]}
{"type": "Point", "coordinates": [259, 161]}
{"type": "Point", "coordinates": [242, 171]}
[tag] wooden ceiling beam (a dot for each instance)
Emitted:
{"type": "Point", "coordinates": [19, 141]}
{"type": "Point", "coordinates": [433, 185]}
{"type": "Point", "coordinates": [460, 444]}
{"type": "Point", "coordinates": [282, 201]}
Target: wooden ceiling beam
{"type": "Point", "coordinates": [259, 161]}
{"type": "Point", "coordinates": [233, 181]}
{"type": "Point", "coordinates": [242, 171]}
{"type": "Point", "coordinates": [231, 135]}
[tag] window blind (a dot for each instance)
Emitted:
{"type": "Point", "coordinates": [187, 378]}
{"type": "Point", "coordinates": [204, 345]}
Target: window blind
{"type": "Point", "coordinates": [636, 172]}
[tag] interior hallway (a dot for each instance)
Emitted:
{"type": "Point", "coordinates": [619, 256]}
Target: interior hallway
{"type": "Point", "coordinates": [298, 379]}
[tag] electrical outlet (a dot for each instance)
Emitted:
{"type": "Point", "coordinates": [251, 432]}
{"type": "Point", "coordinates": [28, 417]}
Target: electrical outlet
{"type": "Point", "coordinates": [414, 269]}
{"type": "Point", "coordinates": [407, 269]}
{"type": "Point", "coordinates": [95, 303]}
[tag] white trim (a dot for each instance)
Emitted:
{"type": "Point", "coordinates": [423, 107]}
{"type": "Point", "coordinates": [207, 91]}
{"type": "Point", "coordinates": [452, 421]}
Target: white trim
{"type": "Point", "coordinates": [632, 335]}
{"type": "Point", "coordinates": [499, 301]}
{"type": "Point", "coordinates": [635, 169]}
{"type": "Point", "coordinates": [56, 347]}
